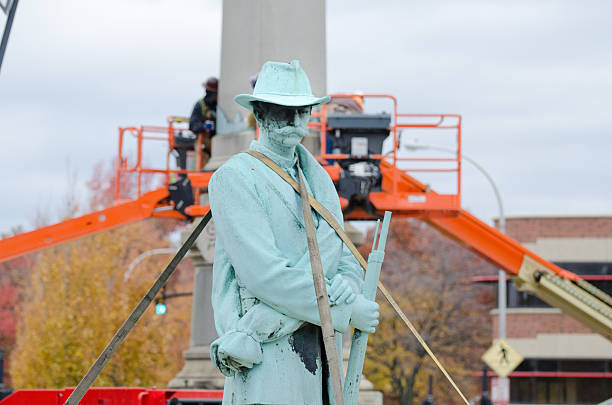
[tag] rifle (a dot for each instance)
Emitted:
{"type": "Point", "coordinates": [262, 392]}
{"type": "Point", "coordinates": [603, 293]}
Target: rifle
{"type": "Point", "coordinates": [360, 338]}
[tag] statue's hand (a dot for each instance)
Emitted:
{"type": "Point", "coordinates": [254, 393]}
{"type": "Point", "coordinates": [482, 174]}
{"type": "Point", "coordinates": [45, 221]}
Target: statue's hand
{"type": "Point", "coordinates": [340, 291]}
{"type": "Point", "coordinates": [364, 314]}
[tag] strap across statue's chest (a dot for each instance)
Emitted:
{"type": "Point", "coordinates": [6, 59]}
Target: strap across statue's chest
{"type": "Point", "coordinates": [278, 193]}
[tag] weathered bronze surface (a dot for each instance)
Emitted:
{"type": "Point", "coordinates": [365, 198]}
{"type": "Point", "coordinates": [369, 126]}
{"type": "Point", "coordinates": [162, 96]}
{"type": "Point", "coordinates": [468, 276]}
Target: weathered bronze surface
{"type": "Point", "coordinates": [263, 294]}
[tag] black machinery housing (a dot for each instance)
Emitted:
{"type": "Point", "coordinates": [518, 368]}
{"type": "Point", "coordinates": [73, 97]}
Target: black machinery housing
{"type": "Point", "coordinates": [360, 136]}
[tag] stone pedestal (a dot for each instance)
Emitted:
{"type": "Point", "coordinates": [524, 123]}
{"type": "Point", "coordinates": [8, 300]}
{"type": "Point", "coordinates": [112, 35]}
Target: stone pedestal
{"type": "Point", "coordinates": [199, 372]}
{"type": "Point", "coordinates": [354, 234]}
{"type": "Point", "coordinates": [312, 142]}
{"type": "Point", "coordinates": [367, 394]}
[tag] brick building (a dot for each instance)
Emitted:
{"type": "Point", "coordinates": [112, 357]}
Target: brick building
{"type": "Point", "coordinates": [565, 362]}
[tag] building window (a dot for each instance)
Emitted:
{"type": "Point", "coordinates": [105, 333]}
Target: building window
{"type": "Point", "coordinates": [566, 365]}
{"type": "Point", "coordinates": [587, 268]}
{"type": "Point", "coordinates": [522, 299]}
{"type": "Point", "coordinates": [565, 388]}
{"type": "Point", "coordinates": [535, 390]}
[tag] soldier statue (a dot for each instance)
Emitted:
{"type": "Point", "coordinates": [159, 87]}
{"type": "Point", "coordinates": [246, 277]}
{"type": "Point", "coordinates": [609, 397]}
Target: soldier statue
{"type": "Point", "coordinates": [265, 308]}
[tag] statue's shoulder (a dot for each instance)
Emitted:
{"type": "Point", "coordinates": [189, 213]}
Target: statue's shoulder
{"type": "Point", "coordinates": [240, 161]}
{"type": "Point", "coordinates": [239, 165]}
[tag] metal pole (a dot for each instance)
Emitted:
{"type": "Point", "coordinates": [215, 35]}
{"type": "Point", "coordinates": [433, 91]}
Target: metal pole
{"type": "Point", "coordinates": [4, 390]}
{"type": "Point", "coordinates": [484, 399]}
{"type": "Point", "coordinates": [501, 275]}
{"type": "Point", "coordinates": [485, 388]}
{"type": "Point", "coordinates": [144, 255]}
{"type": "Point", "coordinates": [429, 399]}
{"type": "Point", "coordinates": [7, 30]}
{"type": "Point", "coordinates": [1, 366]}
{"type": "Point", "coordinates": [501, 226]}
{"type": "Point", "coordinates": [501, 293]}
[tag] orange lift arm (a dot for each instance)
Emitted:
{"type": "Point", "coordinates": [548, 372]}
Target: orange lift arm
{"type": "Point", "coordinates": [155, 203]}
{"type": "Point", "coordinates": [404, 195]}
{"type": "Point", "coordinates": [457, 223]}
{"type": "Point", "coordinates": [400, 193]}
{"type": "Point", "coordinates": [117, 215]}
{"type": "Point", "coordinates": [530, 272]}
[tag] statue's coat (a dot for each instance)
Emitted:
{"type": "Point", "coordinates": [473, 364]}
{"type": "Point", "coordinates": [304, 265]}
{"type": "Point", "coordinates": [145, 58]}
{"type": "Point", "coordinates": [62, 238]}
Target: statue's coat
{"type": "Point", "coordinates": [263, 293]}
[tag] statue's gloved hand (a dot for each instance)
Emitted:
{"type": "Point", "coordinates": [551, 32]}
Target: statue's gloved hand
{"type": "Point", "coordinates": [235, 351]}
{"type": "Point", "coordinates": [364, 314]}
{"type": "Point", "coordinates": [340, 291]}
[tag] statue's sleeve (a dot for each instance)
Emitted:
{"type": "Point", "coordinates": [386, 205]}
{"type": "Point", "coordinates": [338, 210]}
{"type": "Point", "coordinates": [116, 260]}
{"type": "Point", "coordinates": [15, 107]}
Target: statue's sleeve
{"type": "Point", "coordinates": [243, 226]}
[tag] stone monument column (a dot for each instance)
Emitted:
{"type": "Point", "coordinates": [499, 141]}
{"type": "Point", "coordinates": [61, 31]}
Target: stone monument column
{"type": "Point", "coordinates": [199, 372]}
{"type": "Point", "coordinates": [257, 31]}
{"type": "Point", "coordinates": [254, 31]}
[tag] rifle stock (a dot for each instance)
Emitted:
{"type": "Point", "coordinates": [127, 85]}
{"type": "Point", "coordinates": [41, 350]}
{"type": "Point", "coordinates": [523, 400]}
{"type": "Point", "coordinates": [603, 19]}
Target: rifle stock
{"type": "Point", "coordinates": [360, 339]}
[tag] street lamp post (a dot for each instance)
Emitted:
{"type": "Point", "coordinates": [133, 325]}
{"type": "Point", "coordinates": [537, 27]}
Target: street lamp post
{"type": "Point", "coordinates": [144, 255]}
{"type": "Point", "coordinates": [501, 226]}
{"type": "Point", "coordinates": [501, 275]}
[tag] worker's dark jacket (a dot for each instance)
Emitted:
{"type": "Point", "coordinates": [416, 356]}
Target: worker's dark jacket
{"type": "Point", "coordinates": [200, 114]}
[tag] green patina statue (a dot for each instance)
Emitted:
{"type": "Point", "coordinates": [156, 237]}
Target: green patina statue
{"type": "Point", "coordinates": [265, 307]}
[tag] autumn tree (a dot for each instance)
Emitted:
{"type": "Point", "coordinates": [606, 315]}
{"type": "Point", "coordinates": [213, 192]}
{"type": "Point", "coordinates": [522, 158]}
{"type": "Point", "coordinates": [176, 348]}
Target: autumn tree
{"type": "Point", "coordinates": [79, 293]}
{"type": "Point", "coordinates": [13, 275]}
{"type": "Point", "coordinates": [429, 276]}
{"type": "Point", "coordinates": [10, 280]}
{"type": "Point", "coordinates": [14, 272]}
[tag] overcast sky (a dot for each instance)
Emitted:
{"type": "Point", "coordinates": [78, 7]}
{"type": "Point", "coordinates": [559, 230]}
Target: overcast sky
{"type": "Point", "coordinates": [532, 80]}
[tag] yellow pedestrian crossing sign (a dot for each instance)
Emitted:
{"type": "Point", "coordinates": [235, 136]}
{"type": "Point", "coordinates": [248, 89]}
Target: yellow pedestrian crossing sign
{"type": "Point", "coordinates": [502, 358]}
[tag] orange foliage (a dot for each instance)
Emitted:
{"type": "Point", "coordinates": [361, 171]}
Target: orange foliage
{"type": "Point", "coordinates": [13, 274]}
{"type": "Point", "coordinates": [77, 295]}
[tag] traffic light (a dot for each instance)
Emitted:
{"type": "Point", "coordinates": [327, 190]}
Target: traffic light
{"type": "Point", "coordinates": [429, 399]}
{"type": "Point", "coordinates": [160, 302]}
{"type": "Point", "coordinates": [160, 306]}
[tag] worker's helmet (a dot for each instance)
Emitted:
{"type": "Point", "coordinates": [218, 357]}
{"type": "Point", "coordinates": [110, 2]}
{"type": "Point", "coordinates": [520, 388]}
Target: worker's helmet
{"type": "Point", "coordinates": [211, 84]}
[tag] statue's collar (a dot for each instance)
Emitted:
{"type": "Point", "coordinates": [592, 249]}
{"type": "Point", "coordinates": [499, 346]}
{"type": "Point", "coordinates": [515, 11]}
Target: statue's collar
{"type": "Point", "coordinates": [282, 161]}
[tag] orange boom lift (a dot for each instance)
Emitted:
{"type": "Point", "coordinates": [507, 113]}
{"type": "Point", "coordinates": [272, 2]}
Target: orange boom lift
{"type": "Point", "coordinates": [368, 182]}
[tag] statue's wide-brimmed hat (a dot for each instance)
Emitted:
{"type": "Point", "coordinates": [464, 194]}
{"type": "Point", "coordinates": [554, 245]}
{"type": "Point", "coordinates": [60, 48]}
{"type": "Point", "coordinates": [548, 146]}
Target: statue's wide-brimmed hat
{"type": "Point", "coordinates": [283, 84]}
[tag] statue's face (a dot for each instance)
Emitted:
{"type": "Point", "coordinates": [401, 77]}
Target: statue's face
{"type": "Point", "coordinates": [285, 125]}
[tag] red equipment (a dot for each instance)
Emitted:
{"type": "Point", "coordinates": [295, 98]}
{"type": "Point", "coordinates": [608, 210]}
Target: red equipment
{"type": "Point", "coordinates": [116, 396]}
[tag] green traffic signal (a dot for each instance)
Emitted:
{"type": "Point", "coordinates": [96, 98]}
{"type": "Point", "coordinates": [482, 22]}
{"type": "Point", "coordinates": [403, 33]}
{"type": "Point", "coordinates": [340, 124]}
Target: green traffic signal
{"type": "Point", "coordinates": [160, 308]}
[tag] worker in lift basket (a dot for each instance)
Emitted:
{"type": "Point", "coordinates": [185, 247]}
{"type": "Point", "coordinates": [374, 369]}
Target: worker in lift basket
{"type": "Point", "coordinates": [203, 118]}
{"type": "Point", "coordinates": [270, 345]}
